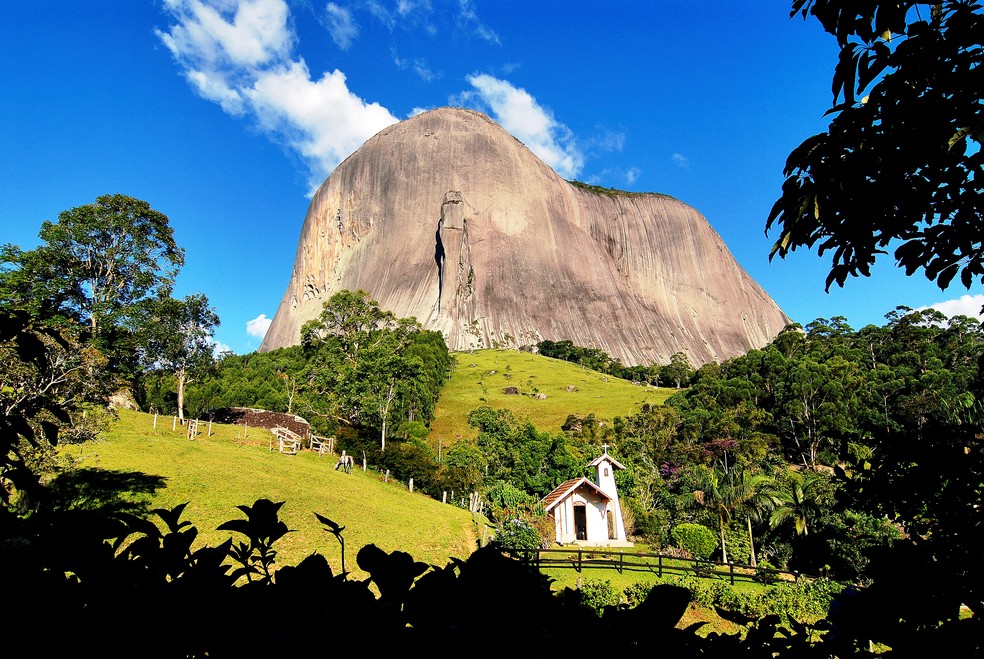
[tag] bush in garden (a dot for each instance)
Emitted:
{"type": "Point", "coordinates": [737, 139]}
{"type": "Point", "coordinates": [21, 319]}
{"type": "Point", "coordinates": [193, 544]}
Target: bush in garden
{"type": "Point", "coordinates": [597, 594]}
{"type": "Point", "coordinates": [695, 538]}
{"type": "Point", "coordinates": [739, 551]}
{"type": "Point", "coordinates": [505, 500]}
{"type": "Point", "coordinates": [636, 593]}
{"type": "Point", "coordinates": [517, 533]}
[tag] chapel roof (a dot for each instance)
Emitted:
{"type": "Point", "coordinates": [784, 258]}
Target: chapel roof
{"type": "Point", "coordinates": [604, 457]}
{"type": "Point", "coordinates": [563, 490]}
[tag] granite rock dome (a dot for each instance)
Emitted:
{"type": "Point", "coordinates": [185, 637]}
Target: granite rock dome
{"type": "Point", "coordinates": [447, 218]}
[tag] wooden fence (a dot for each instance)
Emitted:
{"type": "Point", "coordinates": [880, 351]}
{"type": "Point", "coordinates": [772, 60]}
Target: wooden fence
{"type": "Point", "coordinates": [578, 558]}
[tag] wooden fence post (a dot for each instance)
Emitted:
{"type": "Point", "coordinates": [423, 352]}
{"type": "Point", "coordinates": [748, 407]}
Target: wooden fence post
{"type": "Point", "coordinates": [155, 420]}
{"type": "Point", "coordinates": [444, 496]}
{"type": "Point", "coordinates": [174, 423]}
{"type": "Point", "coordinates": [411, 485]}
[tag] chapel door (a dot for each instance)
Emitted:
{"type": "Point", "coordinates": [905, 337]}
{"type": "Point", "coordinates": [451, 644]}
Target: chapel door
{"type": "Point", "coordinates": [580, 522]}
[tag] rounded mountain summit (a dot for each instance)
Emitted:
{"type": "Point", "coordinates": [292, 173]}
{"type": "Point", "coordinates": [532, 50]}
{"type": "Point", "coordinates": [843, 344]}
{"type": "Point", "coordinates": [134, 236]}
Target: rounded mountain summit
{"type": "Point", "coordinates": [447, 218]}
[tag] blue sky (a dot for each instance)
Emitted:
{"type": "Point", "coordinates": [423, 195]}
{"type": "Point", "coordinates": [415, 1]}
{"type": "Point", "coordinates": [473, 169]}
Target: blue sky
{"type": "Point", "coordinates": [226, 114]}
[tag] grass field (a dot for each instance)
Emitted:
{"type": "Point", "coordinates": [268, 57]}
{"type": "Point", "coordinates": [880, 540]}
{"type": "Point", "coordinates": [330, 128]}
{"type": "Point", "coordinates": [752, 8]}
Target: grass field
{"type": "Point", "coordinates": [219, 472]}
{"type": "Point", "coordinates": [480, 377]}
{"type": "Point", "coordinates": [214, 473]}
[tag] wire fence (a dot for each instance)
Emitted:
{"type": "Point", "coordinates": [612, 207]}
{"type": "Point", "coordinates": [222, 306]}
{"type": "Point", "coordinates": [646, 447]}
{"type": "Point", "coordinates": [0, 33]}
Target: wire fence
{"type": "Point", "coordinates": [579, 558]}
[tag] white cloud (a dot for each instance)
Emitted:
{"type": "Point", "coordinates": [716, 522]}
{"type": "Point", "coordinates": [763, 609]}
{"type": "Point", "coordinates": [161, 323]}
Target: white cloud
{"type": "Point", "coordinates": [256, 32]}
{"type": "Point", "coordinates": [218, 348]}
{"type": "Point", "coordinates": [966, 305]}
{"type": "Point", "coordinates": [407, 7]}
{"type": "Point", "coordinates": [681, 160]}
{"type": "Point", "coordinates": [258, 326]}
{"type": "Point", "coordinates": [632, 175]}
{"type": "Point", "coordinates": [212, 86]}
{"type": "Point", "coordinates": [419, 66]}
{"type": "Point", "coordinates": [519, 113]}
{"type": "Point", "coordinates": [606, 140]}
{"type": "Point", "coordinates": [239, 54]}
{"type": "Point", "coordinates": [405, 13]}
{"type": "Point", "coordinates": [341, 25]}
{"type": "Point", "coordinates": [381, 13]}
{"type": "Point", "coordinates": [321, 120]}
{"type": "Point", "coordinates": [468, 20]}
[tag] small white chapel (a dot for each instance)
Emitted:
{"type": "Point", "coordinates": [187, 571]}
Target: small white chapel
{"type": "Point", "coordinates": [586, 512]}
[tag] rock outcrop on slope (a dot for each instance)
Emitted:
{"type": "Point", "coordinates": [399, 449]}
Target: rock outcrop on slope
{"type": "Point", "coordinates": [447, 218]}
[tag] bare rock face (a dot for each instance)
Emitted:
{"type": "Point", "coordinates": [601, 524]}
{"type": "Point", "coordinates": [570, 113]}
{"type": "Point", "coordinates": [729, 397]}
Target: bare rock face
{"type": "Point", "coordinates": [447, 218]}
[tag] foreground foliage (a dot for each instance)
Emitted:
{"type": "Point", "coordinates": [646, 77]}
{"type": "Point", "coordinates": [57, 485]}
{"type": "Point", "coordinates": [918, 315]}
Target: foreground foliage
{"type": "Point", "coordinates": [120, 578]}
{"type": "Point", "coordinates": [900, 166]}
{"type": "Point", "coordinates": [46, 378]}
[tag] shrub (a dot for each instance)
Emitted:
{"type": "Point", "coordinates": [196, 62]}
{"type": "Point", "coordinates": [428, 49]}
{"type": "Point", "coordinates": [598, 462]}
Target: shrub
{"type": "Point", "coordinates": [764, 576]}
{"type": "Point", "coordinates": [516, 533]}
{"type": "Point", "coordinates": [695, 538]}
{"type": "Point", "coordinates": [505, 500]}
{"type": "Point", "coordinates": [596, 594]}
{"type": "Point", "coordinates": [739, 551]}
{"type": "Point", "coordinates": [635, 594]}
{"type": "Point", "coordinates": [801, 600]}
{"type": "Point", "coordinates": [652, 526]}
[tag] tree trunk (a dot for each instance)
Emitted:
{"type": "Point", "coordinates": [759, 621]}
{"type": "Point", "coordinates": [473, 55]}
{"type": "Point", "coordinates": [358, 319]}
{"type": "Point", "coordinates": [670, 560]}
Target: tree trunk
{"type": "Point", "coordinates": [724, 547]}
{"type": "Point", "coordinates": [384, 409]}
{"type": "Point", "coordinates": [751, 540]}
{"type": "Point", "coordinates": [181, 393]}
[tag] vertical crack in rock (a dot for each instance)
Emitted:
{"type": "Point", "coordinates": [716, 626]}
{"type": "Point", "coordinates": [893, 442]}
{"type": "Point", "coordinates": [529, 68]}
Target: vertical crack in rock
{"type": "Point", "coordinates": [439, 258]}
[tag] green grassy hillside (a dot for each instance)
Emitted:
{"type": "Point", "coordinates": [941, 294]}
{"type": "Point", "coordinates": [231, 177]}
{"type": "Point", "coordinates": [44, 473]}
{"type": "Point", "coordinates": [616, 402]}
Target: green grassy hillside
{"type": "Point", "coordinates": [234, 466]}
{"type": "Point", "coordinates": [219, 472]}
{"type": "Point", "coordinates": [215, 473]}
{"type": "Point", "coordinates": [480, 378]}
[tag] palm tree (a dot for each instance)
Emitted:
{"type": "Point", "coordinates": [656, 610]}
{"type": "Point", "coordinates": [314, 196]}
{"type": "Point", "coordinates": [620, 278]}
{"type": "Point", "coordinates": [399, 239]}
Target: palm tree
{"type": "Point", "coordinates": [719, 494]}
{"type": "Point", "coordinates": [727, 493]}
{"type": "Point", "coordinates": [801, 502]}
{"type": "Point", "coordinates": [761, 496]}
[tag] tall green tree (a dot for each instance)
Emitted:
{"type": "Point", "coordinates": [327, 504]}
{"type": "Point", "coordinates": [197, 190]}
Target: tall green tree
{"type": "Point", "coordinates": [178, 339]}
{"type": "Point", "coordinates": [760, 496]}
{"type": "Point", "coordinates": [94, 266]}
{"type": "Point", "coordinates": [678, 370]}
{"type": "Point", "coordinates": [818, 404]}
{"type": "Point", "coordinates": [516, 452]}
{"type": "Point", "coordinates": [365, 364]}
{"type": "Point", "coordinates": [722, 495]}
